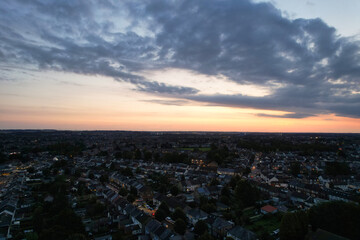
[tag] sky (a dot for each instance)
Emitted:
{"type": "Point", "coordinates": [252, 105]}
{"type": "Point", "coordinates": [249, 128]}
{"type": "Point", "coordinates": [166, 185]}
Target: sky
{"type": "Point", "coordinates": [206, 65]}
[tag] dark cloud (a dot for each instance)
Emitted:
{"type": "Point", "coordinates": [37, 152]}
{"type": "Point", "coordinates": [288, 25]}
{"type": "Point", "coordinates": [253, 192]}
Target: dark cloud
{"type": "Point", "coordinates": [168, 102]}
{"type": "Point", "coordinates": [289, 115]}
{"type": "Point", "coordinates": [119, 58]}
{"type": "Point", "coordinates": [161, 88]}
{"type": "Point", "coordinates": [266, 103]}
{"type": "Point", "coordinates": [309, 67]}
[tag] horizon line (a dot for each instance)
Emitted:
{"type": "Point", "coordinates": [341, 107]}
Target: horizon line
{"type": "Point", "coordinates": [165, 131]}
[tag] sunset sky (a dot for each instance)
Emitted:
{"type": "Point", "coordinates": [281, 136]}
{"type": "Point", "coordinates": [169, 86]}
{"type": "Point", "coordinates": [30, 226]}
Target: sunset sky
{"type": "Point", "coordinates": [204, 65]}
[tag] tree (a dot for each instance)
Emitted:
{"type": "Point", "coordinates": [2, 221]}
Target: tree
{"type": "Point", "coordinates": [180, 226]}
{"type": "Point", "coordinates": [293, 226]}
{"type": "Point", "coordinates": [131, 198]}
{"type": "Point", "coordinates": [206, 236]}
{"type": "Point", "coordinates": [338, 217]}
{"type": "Point", "coordinates": [295, 168]}
{"type": "Point", "coordinates": [95, 209]}
{"type": "Point", "coordinates": [118, 235]}
{"type": "Point", "coordinates": [160, 215]}
{"type": "Point", "coordinates": [337, 168]}
{"type": "Point", "coordinates": [246, 193]}
{"type": "Point", "coordinates": [214, 182]}
{"type": "Point", "coordinates": [3, 157]}
{"type": "Point", "coordinates": [127, 172]}
{"type": "Point", "coordinates": [112, 166]}
{"type": "Point", "coordinates": [103, 154]}
{"type": "Point", "coordinates": [77, 236]}
{"type": "Point", "coordinates": [247, 171]}
{"type": "Point", "coordinates": [31, 236]}
{"type": "Point", "coordinates": [46, 172]}
{"type": "Point", "coordinates": [208, 208]}
{"type": "Point", "coordinates": [225, 192]}
{"type": "Point", "coordinates": [31, 169]}
{"type": "Point", "coordinates": [179, 214]}
{"type": "Point", "coordinates": [118, 155]}
{"type": "Point", "coordinates": [163, 206]}
{"type": "Point", "coordinates": [200, 227]}
{"type": "Point", "coordinates": [234, 181]}
{"type": "Point", "coordinates": [19, 236]}
{"type": "Point", "coordinates": [56, 220]}
{"type": "Point", "coordinates": [174, 190]}
{"type": "Point", "coordinates": [123, 192]}
{"type": "Point", "coordinates": [137, 154]}
{"type": "Point", "coordinates": [133, 191]}
{"type": "Point", "coordinates": [104, 178]}
{"type": "Point", "coordinates": [147, 155]}
{"type": "Point", "coordinates": [38, 219]}
{"type": "Point", "coordinates": [225, 200]}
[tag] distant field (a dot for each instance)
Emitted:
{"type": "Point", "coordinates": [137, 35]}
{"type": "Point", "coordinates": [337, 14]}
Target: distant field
{"type": "Point", "coordinates": [204, 149]}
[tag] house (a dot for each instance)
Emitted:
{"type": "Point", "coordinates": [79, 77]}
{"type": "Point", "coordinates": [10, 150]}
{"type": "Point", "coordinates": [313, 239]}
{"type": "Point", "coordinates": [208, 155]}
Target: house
{"type": "Point", "coordinates": [214, 191]}
{"type": "Point", "coordinates": [128, 209]}
{"type": "Point", "coordinates": [141, 219]}
{"type": "Point", "coordinates": [196, 214]}
{"type": "Point", "coordinates": [49, 199]}
{"type": "Point", "coordinates": [172, 202]}
{"type": "Point", "coordinates": [202, 192]}
{"type": "Point", "coordinates": [282, 208]}
{"type": "Point", "coordinates": [220, 226]}
{"type": "Point", "coordinates": [221, 206]}
{"type": "Point", "coordinates": [8, 208]}
{"type": "Point", "coordinates": [335, 195]}
{"type": "Point", "coordinates": [144, 237]}
{"type": "Point", "coordinates": [158, 199]}
{"type": "Point", "coordinates": [240, 233]}
{"type": "Point", "coordinates": [104, 237]}
{"type": "Point", "coordinates": [273, 181]}
{"type": "Point", "coordinates": [132, 229]}
{"type": "Point", "coordinates": [5, 222]}
{"type": "Point", "coordinates": [227, 171]}
{"type": "Point", "coordinates": [124, 222]}
{"type": "Point", "coordinates": [157, 231]}
{"type": "Point", "coordinates": [268, 209]}
{"type": "Point", "coordinates": [121, 204]}
{"type": "Point", "coordinates": [212, 164]}
{"type": "Point", "coordinates": [298, 198]}
{"type": "Point", "coordinates": [189, 198]}
{"type": "Point", "coordinates": [145, 193]}
{"type": "Point", "coordinates": [191, 185]}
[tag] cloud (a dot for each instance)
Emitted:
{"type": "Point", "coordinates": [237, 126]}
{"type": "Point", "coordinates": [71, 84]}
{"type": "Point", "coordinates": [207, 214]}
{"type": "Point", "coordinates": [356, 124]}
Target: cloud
{"type": "Point", "coordinates": [310, 3]}
{"type": "Point", "coordinates": [309, 68]}
{"type": "Point", "coordinates": [265, 103]}
{"type": "Point", "coordinates": [168, 102]}
{"type": "Point", "coordinates": [289, 115]}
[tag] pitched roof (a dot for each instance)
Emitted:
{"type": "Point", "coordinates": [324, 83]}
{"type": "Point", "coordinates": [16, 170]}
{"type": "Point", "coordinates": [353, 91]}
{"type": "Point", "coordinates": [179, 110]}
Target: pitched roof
{"type": "Point", "coordinates": [242, 233]}
{"type": "Point", "coordinates": [142, 218]}
{"type": "Point", "coordinates": [153, 225]}
{"type": "Point", "coordinates": [221, 223]}
{"type": "Point", "coordinates": [197, 213]}
{"type": "Point", "coordinates": [268, 208]}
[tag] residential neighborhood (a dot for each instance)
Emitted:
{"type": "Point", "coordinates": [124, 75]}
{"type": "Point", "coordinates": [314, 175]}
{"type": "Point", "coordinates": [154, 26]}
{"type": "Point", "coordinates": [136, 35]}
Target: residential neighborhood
{"type": "Point", "coordinates": [158, 185]}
